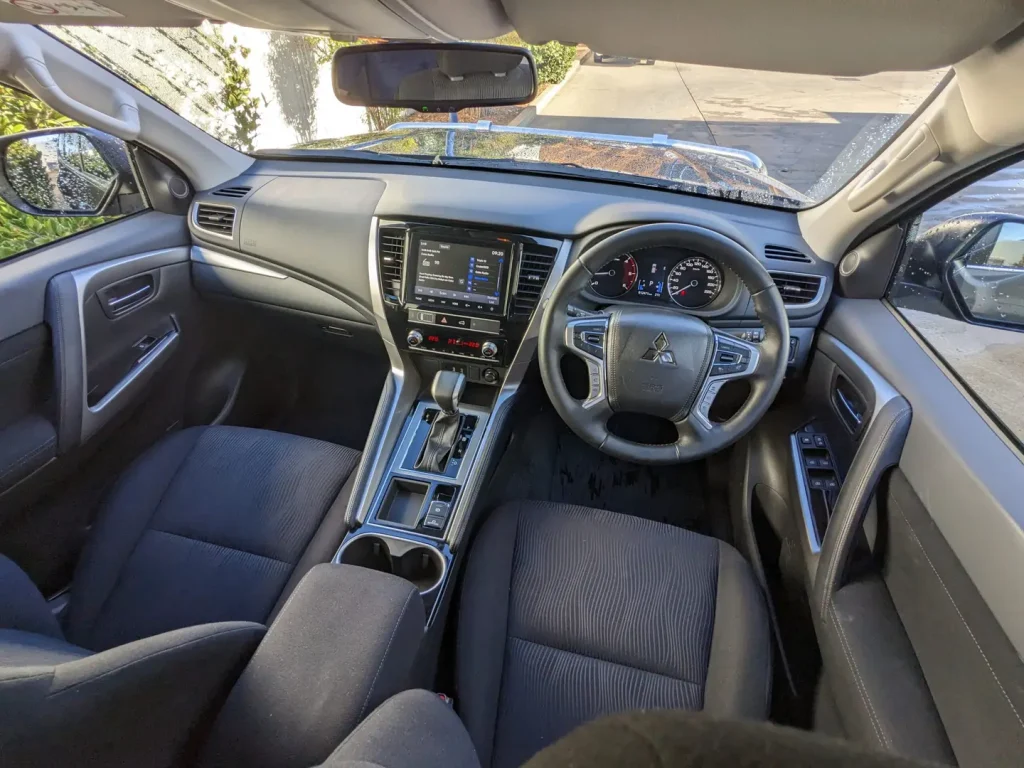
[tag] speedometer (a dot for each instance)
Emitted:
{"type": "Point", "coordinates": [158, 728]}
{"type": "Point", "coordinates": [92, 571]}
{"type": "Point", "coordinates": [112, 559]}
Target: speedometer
{"type": "Point", "coordinates": [615, 278]}
{"type": "Point", "coordinates": [694, 282]}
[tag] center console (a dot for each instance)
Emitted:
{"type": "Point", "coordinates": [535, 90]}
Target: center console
{"type": "Point", "coordinates": [460, 299]}
{"type": "Point", "coordinates": [458, 310]}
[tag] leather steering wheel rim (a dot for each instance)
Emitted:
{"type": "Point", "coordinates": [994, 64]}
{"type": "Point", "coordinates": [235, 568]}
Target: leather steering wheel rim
{"type": "Point", "coordinates": [697, 437]}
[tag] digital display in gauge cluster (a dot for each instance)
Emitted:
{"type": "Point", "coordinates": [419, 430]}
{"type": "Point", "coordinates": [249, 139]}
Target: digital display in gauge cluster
{"type": "Point", "coordinates": [685, 278]}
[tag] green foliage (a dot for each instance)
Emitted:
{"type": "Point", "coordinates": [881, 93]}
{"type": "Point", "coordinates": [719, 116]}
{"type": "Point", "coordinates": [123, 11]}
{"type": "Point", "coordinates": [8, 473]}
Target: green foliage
{"type": "Point", "coordinates": [553, 59]}
{"type": "Point", "coordinates": [19, 231]}
{"type": "Point", "coordinates": [27, 173]}
{"type": "Point", "coordinates": [22, 112]}
{"type": "Point", "coordinates": [235, 95]}
{"type": "Point", "coordinates": [379, 118]}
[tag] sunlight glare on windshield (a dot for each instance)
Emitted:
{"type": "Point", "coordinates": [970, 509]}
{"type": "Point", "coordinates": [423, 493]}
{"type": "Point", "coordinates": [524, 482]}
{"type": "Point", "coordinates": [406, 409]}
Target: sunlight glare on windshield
{"type": "Point", "coordinates": [779, 139]}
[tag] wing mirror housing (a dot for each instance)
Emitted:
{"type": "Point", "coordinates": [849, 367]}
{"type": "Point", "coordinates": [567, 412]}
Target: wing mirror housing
{"type": "Point", "coordinates": [67, 172]}
{"type": "Point", "coordinates": [984, 278]}
{"type": "Point", "coordinates": [434, 77]}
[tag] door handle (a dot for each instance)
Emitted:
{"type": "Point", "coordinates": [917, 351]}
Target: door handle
{"type": "Point", "coordinates": [848, 405]}
{"type": "Point", "coordinates": [126, 295]}
{"type": "Point", "coordinates": [120, 303]}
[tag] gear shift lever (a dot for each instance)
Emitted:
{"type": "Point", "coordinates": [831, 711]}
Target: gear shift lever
{"type": "Point", "coordinates": [444, 430]}
{"type": "Point", "coordinates": [447, 390]}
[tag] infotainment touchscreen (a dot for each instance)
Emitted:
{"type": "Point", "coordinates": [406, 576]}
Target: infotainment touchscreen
{"type": "Point", "coordinates": [462, 276]}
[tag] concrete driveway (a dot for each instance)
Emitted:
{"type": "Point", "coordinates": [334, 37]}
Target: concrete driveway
{"type": "Point", "coordinates": [797, 124]}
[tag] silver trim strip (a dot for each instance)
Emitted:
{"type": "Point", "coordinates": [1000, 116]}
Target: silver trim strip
{"type": "Point", "coordinates": [214, 258]}
{"type": "Point", "coordinates": [407, 544]}
{"type": "Point", "coordinates": [803, 492]}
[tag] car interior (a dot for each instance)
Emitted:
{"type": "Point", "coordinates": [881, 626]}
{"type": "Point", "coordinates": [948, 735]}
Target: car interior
{"type": "Point", "coordinates": [440, 463]}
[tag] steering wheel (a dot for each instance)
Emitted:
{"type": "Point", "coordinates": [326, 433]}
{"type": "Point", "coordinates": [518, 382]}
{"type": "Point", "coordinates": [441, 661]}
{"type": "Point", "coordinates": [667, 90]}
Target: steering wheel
{"type": "Point", "coordinates": [662, 362]}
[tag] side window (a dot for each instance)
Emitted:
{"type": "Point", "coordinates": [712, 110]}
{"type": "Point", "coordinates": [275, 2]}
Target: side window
{"type": "Point", "coordinates": [51, 184]}
{"type": "Point", "coordinates": [960, 284]}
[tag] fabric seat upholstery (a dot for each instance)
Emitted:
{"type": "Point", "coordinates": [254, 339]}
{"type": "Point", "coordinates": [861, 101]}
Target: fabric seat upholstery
{"type": "Point", "coordinates": [208, 526]}
{"type": "Point", "coordinates": [568, 614]}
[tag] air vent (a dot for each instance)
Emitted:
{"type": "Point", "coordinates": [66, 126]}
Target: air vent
{"type": "Point", "coordinates": [533, 274]}
{"type": "Point", "coordinates": [233, 191]}
{"type": "Point", "coordinates": [390, 258]}
{"type": "Point", "coordinates": [219, 219]}
{"type": "Point", "coordinates": [782, 253]}
{"type": "Point", "coordinates": [797, 289]}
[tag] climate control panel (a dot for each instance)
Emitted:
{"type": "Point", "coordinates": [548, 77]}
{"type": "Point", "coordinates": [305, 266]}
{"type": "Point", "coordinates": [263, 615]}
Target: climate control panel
{"type": "Point", "coordinates": [455, 343]}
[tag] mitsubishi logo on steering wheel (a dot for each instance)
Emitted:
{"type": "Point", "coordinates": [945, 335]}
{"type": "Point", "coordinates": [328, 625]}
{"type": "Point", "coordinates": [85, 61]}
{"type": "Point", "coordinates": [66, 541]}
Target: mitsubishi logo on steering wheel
{"type": "Point", "coordinates": [660, 352]}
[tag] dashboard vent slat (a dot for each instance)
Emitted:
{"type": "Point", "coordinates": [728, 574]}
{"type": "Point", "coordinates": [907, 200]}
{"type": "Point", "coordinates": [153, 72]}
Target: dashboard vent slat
{"type": "Point", "coordinates": [233, 191]}
{"type": "Point", "coordinates": [534, 269]}
{"type": "Point", "coordinates": [785, 253]}
{"type": "Point", "coordinates": [390, 261]}
{"type": "Point", "coordinates": [797, 289]}
{"type": "Point", "coordinates": [218, 219]}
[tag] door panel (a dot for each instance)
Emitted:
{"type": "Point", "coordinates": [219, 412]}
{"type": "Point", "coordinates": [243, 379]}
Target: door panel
{"type": "Point", "coordinates": [96, 341]}
{"type": "Point", "coordinates": [104, 362]}
{"type": "Point", "coordinates": [947, 541]}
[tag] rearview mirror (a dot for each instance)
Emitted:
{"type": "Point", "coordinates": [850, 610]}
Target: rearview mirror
{"type": "Point", "coordinates": [65, 172]}
{"type": "Point", "coordinates": [443, 77]}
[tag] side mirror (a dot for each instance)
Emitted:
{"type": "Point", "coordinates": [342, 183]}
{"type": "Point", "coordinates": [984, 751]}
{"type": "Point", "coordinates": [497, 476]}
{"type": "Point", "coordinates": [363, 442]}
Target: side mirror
{"type": "Point", "coordinates": [67, 172]}
{"type": "Point", "coordinates": [434, 77]}
{"type": "Point", "coordinates": [985, 278]}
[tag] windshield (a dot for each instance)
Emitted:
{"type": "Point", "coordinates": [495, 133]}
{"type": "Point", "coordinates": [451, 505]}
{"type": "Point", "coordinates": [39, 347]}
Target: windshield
{"type": "Point", "coordinates": [785, 140]}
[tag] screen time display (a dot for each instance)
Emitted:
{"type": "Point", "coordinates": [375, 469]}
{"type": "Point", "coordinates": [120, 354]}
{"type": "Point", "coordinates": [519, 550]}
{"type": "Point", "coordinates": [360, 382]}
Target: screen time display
{"type": "Point", "coordinates": [455, 274]}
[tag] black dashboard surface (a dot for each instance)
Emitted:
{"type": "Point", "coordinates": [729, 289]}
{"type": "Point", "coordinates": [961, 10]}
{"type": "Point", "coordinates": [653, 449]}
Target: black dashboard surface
{"type": "Point", "coordinates": [314, 220]}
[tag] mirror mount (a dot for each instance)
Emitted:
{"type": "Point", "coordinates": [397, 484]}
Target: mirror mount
{"type": "Point", "coordinates": [434, 77]}
{"type": "Point", "coordinates": [67, 172]}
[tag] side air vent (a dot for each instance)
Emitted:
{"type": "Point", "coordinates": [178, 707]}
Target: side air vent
{"type": "Point", "coordinates": [797, 289]}
{"type": "Point", "coordinates": [782, 253]}
{"type": "Point", "coordinates": [218, 219]}
{"type": "Point", "coordinates": [233, 191]}
{"type": "Point", "coordinates": [533, 274]}
{"type": "Point", "coordinates": [390, 259]}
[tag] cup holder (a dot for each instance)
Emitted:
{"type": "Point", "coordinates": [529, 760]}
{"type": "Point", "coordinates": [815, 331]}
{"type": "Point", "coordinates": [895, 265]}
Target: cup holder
{"type": "Point", "coordinates": [422, 565]}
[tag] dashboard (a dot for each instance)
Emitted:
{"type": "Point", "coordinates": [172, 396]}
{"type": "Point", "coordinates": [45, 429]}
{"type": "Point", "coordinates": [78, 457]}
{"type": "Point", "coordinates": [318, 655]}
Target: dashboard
{"type": "Point", "coordinates": [470, 252]}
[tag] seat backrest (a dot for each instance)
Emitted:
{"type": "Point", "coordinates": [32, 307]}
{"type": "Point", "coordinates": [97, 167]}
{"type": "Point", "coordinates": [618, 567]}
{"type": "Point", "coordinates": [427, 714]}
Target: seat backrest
{"type": "Point", "coordinates": [136, 704]}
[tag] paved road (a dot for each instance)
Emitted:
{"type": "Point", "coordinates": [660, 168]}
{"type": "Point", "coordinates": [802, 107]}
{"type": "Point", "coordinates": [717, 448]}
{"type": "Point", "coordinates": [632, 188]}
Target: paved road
{"type": "Point", "coordinates": [797, 124]}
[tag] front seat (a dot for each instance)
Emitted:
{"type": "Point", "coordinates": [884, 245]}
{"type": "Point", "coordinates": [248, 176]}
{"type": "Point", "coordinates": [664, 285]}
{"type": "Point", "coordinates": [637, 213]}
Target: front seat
{"type": "Point", "coordinates": [212, 524]}
{"type": "Point", "coordinates": [568, 614]}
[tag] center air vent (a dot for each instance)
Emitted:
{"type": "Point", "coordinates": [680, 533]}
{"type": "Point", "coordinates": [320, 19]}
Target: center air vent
{"type": "Point", "coordinates": [784, 253]}
{"type": "Point", "coordinates": [797, 289]}
{"type": "Point", "coordinates": [218, 219]}
{"type": "Point", "coordinates": [390, 259]}
{"type": "Point", "coordinates": [233, 191]}
{"type": "Point", "coordinates": [533, 274]}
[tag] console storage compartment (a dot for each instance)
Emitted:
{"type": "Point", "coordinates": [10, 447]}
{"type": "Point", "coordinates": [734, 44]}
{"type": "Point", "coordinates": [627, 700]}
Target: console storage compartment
{"type": "Point", "coordinates": [345, 641]}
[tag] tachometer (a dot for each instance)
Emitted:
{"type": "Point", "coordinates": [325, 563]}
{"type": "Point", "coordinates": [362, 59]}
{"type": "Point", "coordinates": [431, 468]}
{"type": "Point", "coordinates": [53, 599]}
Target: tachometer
{"type": "Point", "coordinates": [694, 282]}
{"type": "Point", "coordinates": [616, 277]}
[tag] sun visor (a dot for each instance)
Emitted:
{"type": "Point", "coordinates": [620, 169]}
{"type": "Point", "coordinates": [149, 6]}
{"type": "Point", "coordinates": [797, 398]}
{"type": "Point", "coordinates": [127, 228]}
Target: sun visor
{"type": "Point", "coordinates": [393, 19]}
{"type": "Point", "coordinates": [833, 37]}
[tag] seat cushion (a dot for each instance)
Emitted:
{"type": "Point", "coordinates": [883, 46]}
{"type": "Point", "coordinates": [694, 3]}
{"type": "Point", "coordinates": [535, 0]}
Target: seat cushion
{"type": "Point", "coordinates": [569, 614]}
{"type": "Point", "coordinates": [207, 526]}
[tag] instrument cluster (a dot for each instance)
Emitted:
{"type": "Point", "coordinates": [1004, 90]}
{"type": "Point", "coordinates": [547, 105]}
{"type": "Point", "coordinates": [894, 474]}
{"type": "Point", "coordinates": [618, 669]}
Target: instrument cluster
{"type": "Point", "coordinates": [667, 275]}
